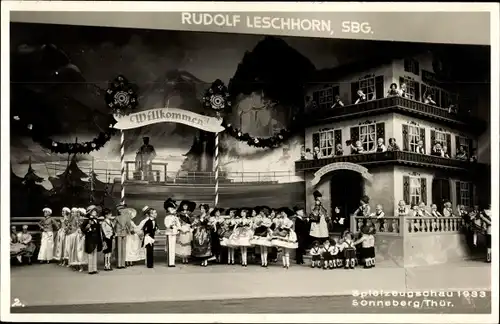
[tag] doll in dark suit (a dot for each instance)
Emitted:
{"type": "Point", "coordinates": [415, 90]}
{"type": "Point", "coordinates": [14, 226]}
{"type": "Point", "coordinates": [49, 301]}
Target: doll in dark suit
{"type": "Point", "coordinates": [302, 229]}
{"type": "Point", "coordinates": [93, 237]}
{"type": "Point", "coordinates": [149, 228]}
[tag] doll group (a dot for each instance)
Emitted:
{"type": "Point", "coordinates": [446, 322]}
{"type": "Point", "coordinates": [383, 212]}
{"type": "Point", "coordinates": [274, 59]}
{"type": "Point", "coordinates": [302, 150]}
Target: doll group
{"type": "Point", "coordinates": [220, 235]}
{"type": "Point", "coordinates": [193, 233]}
{"type": "Point", "coordinates": [74, 240]}
{"type": "Point", "coordinates": [345, 252]}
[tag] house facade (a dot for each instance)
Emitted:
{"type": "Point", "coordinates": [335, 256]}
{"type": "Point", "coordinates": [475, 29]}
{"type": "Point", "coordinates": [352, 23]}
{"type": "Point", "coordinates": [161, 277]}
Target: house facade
{"type": "Point", "coordinates": [406, 174]}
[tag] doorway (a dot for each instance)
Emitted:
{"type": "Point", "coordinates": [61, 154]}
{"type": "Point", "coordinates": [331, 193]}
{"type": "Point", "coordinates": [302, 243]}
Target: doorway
{"type": "Point", "coordinates": [441, 192]}
{"type": "Point", "coordinates": [346, 188]}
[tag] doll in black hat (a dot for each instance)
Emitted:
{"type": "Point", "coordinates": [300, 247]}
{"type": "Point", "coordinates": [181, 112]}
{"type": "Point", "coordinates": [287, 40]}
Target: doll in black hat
{"type": "Point", "coordinates": [319, 219]}
{"type": "Point", "coordinates": [185, 235]}
{"type": "Point", "coordinates": [93, 238]}
{"type": "Point", "coordinates": [149, 228]}
{"type": "Point", "coordinates": [225, 233]}
{"type": "Point", "coordinates": [242, 234]}
{"type": "Point", "coordinates": [215, 221]}
{"type": "Point", "coordinates": [302, 229]}
{"type": "Point", "coordinates": [262, 233]}
{"type": "Point", "coordinates": [284, 236]}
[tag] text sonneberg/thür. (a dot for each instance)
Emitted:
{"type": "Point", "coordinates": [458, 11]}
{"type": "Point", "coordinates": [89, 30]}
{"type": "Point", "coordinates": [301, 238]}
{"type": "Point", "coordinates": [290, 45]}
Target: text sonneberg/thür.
{"type": "Point", "coordinates": [261, 22]}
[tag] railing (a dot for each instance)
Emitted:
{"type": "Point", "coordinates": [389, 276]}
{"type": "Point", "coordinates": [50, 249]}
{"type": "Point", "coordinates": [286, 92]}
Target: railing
{"type": "Point", "coordinates": [398, 226]}
{"type": "Point", "coordinates": [402, 157]}
{"type": "Point", "coordinates": [415, 225]}
{"type": "Point", "coordinates": [396, 104]}
{"type": "Point", "coordinates": [388, 225]}
{"type": "Point", "coordinates": [160, 174]}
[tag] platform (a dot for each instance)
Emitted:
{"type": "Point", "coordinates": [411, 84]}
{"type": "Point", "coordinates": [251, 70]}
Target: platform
{"type": "Point", "coordinates": [50, 284]}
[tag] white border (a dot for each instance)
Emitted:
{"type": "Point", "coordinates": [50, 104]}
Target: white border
{"type": "Point", "coordinates": [219, 6]}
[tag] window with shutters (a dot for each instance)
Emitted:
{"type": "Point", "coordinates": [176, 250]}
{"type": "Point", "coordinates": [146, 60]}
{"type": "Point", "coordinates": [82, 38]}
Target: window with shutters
{"type": "Point", "coordinates": [448, 98]}
{"type": "Point", "coordinates": [440, 138]}
{"type": "Point", "coordinates": [433, 91]}
{"type": "Point", "coordinates": [412, 66]}
{"type": "Point", "coordinates": [368, 136]}
{"type": "Point", "coordinates": [413, 137]}
{"type": "Point", "coordinates": [463, 141]}
{"type": "Point", "coordinates": [415, 190]}
{"type": "Point", "coordinates": [326, 97]}
{"type": "Point", "coordinates": [368, 87]}
{"type": "Point", "coordinates": [465, 190]}
{"type": "Point", "coordinates": [326, 142]}
{"type": "Point", "coordinates": [411, 85]}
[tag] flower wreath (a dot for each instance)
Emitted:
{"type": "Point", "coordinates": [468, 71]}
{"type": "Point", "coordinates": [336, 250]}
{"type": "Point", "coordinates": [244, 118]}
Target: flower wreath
{"type": "Point", "coordinates": [217, 98]}
{"type": "Point", "coordinates": [120, 97]}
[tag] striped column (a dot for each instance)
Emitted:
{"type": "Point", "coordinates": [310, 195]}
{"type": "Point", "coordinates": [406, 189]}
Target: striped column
{"type": "Point", "coordinates": [122, 160]}
{"type": "Point", "coordinates": [216, 167]}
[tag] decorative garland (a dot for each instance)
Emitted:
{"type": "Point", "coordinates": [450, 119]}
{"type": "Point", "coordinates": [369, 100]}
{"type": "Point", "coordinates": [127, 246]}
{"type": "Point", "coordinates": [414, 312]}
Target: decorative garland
{"type": "Point", "coordinates": [217, 98]}
{"type": "Point", "coordinates": [38, 136]}
{"type": "Point", "coordinates": [121, 96]}
{"type": "Point", "coordinates": [262, 142]}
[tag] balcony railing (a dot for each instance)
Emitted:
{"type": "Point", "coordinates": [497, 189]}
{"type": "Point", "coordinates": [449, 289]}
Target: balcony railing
{"type": "Point", "coordinates": [160, 174]}
{"type": "Point", "coordinates": [433, 225]}
{"type": "Point", "coordinates": [399, 226]}
{"type": "Point", "coordinates": [396, 104]}
{"type": "Point", "coordinates": [397, 157]}
{"type": "Point", "coordinates": [387, 225]}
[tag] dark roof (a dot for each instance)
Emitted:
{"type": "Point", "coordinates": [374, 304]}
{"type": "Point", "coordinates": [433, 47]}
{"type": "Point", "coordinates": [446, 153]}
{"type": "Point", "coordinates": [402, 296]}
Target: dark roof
{"type": "Point", "coordinates": [390, 54]}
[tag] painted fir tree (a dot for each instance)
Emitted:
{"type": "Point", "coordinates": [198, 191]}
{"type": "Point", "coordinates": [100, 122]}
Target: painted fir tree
{"type": "Point", "coordinates": [34, 192]}
{"type": "Point", "coordinates": [69, 186]}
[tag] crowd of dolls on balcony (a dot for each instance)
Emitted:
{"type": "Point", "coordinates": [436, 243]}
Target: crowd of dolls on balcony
{"type": "Point", "coordinates": [356, 147]}
{"type": "Point", "coordinates": [427, 98]}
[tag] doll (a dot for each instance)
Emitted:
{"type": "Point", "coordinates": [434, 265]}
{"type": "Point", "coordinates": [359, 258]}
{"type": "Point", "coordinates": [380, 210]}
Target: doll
{"type": "Point", "coordinates": [315, 255]}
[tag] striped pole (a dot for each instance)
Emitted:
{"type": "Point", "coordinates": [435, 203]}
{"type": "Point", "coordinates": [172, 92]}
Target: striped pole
{"type": "Point", "coordinates": [216, 167]}
{"type": "Point", "coordinates": [122, 160]}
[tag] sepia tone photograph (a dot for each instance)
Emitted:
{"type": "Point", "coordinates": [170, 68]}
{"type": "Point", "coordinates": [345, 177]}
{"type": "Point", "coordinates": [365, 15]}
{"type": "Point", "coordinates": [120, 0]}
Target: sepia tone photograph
{"type": "Point", "coordinates": [165, 171]}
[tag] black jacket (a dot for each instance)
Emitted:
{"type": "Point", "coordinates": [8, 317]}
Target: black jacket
{"type": "Point", "coordinates": [149, 229]}
{"type": "Point", "coordinates": [93, 237]}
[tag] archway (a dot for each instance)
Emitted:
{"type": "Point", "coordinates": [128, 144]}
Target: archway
{"type": "Point", "coordinates": [346, 189]}
{"type": "Point", "coordinates": [347, 185]}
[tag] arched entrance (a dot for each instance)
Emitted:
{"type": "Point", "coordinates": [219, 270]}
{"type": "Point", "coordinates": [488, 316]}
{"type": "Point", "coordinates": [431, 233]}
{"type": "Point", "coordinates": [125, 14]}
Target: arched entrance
{"type": "Point", "coordinates": [346, 189]}
{"type": "Point", "coordinates": [347, 184]}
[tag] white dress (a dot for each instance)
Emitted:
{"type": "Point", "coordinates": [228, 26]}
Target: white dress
{"type": "Point", "coordinates": [133, 249]}
{"type": "Point", "coordinates": [284, 236]}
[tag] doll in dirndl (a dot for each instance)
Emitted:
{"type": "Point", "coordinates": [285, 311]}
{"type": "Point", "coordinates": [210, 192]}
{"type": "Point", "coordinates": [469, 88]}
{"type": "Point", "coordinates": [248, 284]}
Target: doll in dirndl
{"type": "Point", "coordinates": [242, 234]}
{"type": "Point", "coordinates": [225, 232]}
{"type": "Point", "coordinates": [284, 236]}
{"type": "Point", "coordinates": [61, 237]}
{"type": "Point", "coordinates": [315, 253]}
{"type": "Point", "coordinates": [215, 221]}
{"type": "Point", "coordinates": [349, 251]}
{"type": "Point", "coordinates": [262, 233]}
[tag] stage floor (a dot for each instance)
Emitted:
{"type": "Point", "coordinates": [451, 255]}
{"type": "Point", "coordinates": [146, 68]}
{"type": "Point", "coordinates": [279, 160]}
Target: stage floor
{"type": "Point", "coordinates": [50, 284]}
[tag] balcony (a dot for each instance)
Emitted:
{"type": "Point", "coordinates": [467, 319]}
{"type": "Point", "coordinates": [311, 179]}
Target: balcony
{"type": "Point", "coordinates": [399, 157]}
{"type": "Point", "coordinates": [400, 105]}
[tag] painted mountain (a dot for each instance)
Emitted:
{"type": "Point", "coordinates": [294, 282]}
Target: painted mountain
{"type": "Point", "coordinates": [49, 87]}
